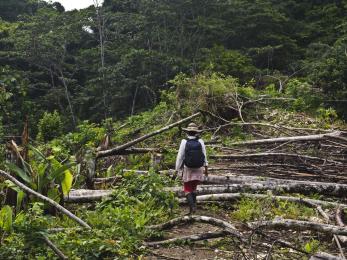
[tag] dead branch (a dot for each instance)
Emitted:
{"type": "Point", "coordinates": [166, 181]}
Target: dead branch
{"type": "Point", "coordinates": [204, 219]}
{"type": "Point", "coordinates": [304, 138]}
{"type": "Point", "coordinates": [44, 198]}
{"type": "Point", "coordinates": [277, 127]}
{"type": "Point", "coordinates": [325, 256]}
{"type": "Point", "coordinates": [279, 241]}
{"type": "Point", "coordinates": [135, 150]}
{"type": "Point", "coordinates": [191, 238]}
{"type": "Point", "coordinates": [117, 149]}
{"type": "Point", "coordinates": [56, 250]}
{"type": "Point", "coordinates": [327, 219]}
{"type": "Point", "coordinates": [298, 225]}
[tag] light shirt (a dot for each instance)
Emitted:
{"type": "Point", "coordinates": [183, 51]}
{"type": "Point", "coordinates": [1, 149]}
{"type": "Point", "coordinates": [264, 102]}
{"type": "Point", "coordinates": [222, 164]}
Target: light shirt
{"type": "Point", "coordinates": [181, 152]}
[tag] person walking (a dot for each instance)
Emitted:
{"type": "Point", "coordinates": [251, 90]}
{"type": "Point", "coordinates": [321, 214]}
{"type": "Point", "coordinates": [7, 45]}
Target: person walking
{"type": "Point", "coordinates": [192, 160]}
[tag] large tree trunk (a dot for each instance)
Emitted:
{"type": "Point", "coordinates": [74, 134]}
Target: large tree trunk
{"type": "Point", "coordinates": [329, 189]}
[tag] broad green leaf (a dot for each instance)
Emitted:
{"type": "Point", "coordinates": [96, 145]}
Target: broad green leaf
{"type": "Point", "coordinates": [42, 180]}
{"type": "Point", "coordinates": [20, 172]}
{"type": "Point", "coordinates": [109, 171]}
{"type": "Point", "coordinates": [67, 182]}
{"type": "Point", "coordinates": [6, 218]}
{"type": "Point", "coordinates": [12, 186]}
{"type": "Point", "coordinates": [58, 174]}
{"type": "Point", "coordinates": [37, 152]}
{"type": "Point", "coordinates": [20, 197]}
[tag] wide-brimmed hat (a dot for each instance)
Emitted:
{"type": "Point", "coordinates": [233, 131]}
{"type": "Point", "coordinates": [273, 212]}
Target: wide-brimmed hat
{"type": "Point", "coordinates": [192, 128]}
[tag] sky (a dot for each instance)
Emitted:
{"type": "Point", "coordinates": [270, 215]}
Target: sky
{"type": "Point", "coordinates": [75, 4]}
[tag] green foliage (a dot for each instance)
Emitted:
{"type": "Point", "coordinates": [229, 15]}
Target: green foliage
{"type": "Point", "coordinates": [312, 246]}
{"type": "Point", "coordinates": [249, 209]}
{"type": "Point", "coordinates": [87, 134]}
{"type": "Point", "coordinates": [306, 98]}
{"type": "Point", "coordinates": [202, 91]}
{"type": "Point", "coordinates": [50, 174]}
{"type": "Point", "coordinates": [26, 238]}
{"type": "Point", "coordinates": [44, 174]}
{"type": "Point", "coordinates": [327, 115]}
{"type": "Point", "coordinates": [50, 126]}
{"type": "Point", "coordinates": [140, 188]}
{"type": "Point", "coordinates": [6, 219]}
{"type": "Point", "coordinates": [228, 62]}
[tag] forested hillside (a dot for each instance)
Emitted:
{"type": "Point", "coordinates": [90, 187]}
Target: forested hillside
{"type": "Point", "coordinates": [92, 107]}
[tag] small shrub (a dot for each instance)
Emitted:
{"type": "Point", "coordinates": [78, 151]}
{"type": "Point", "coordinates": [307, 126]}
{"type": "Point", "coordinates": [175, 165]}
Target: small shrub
{"type": "Point", "coordinates": [306, 98]}
{"type": "Point", "coordinates": [311, 246]}
{"type": "Point", "coordinates": [327, 116]}
{"type": "Point", "coordinates": [50, 126]}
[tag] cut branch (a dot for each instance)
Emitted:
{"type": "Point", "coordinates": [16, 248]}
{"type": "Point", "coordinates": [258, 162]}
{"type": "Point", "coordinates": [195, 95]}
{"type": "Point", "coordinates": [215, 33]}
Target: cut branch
{"type": "Point", "coordinates": [44, 198]}
{"type": "Point", "coordinates": [56, 250]}
{"type": "Point", "coordinates": [303, 138]}
{"type": "Point", "coordinates": [117, 149]}
{"type": "Point", "coordinates": [325, 256]}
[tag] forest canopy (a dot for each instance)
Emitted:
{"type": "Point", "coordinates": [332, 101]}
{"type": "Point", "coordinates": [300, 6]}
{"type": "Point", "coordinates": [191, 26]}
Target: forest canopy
{"type": "Point", "coordinates": [114, 60]}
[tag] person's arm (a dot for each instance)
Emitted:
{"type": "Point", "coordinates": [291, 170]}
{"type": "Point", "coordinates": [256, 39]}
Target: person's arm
{"type": "Point", "coordinates": [204, 152]}
{"type": "Point", "coordinates": [180, 156]}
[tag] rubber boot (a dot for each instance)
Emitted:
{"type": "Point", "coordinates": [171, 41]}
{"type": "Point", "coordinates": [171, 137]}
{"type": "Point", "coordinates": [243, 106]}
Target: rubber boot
{"type": "Point", "coordinates": [191, 204]}
{"type": "Point", "coordinates": [194, 200]}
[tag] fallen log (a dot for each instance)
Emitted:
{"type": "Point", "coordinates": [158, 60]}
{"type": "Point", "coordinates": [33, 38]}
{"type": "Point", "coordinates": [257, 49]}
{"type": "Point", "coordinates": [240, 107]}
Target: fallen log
{"type": "Point", "coordinates": [329, 189]}
{"type": "Point", "coordinates": [119, 148]}
{"type": "Point", "coordinates": [304, 187]}
{"type": "Point", "coordinates": [135, 150]}
{"type": "Point", "coordinates": [339, 222]}
{"type": "Point", "coordinates": [234, 179]}
{"type": "Point", "coordinates": [107, 179]}
{"type": "Point", "coordinates": [83, 195]}
{"type": "Point", "coordinates": [277, 127]}
{"type": "Point", "coordinates": [237, 196]}
{"type": "Point", "coordinates": [44, 198]}
{"type": "Point", "coordinates": [298, 225]}
{"type": "Point", "coordinates": [191, 238]}
{"type": "Point", "coordinates": [272, 155]}
{"type": "Point", "coordinates": [325, 256]}
{"type": "Point", "coordinates": [304, 138]}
